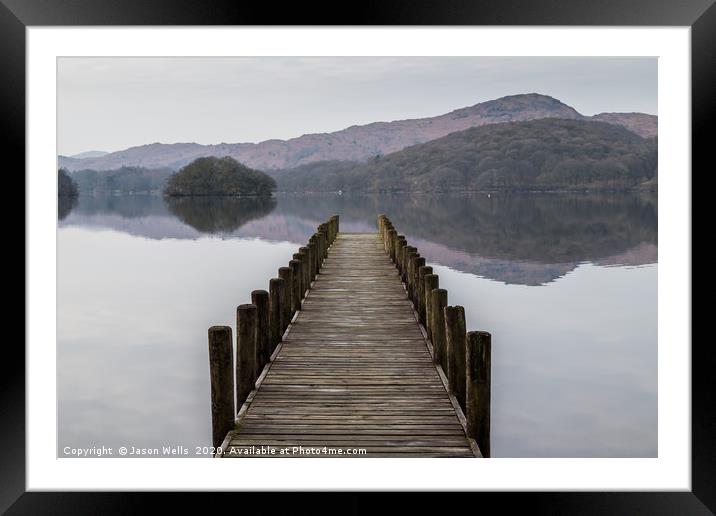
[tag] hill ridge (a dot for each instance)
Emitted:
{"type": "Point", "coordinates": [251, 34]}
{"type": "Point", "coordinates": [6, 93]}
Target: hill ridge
{"type": "Point", "coordinates": [356, 142]}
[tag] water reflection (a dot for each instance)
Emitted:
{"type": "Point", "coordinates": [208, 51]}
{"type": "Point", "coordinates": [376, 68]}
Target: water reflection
{"type": "Point", "coordinates": [219, 214]}
{"type": "Point", "coordinates": [516, 239]}
{"type": "Point", "coordinates": [65, 204]}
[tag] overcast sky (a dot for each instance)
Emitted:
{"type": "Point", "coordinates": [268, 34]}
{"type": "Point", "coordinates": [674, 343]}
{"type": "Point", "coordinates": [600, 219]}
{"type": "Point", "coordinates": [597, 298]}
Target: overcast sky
{"type": "Point", "coordinates": [113, 103]}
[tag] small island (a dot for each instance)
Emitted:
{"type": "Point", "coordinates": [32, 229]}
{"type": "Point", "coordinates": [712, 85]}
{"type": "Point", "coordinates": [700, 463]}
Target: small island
{"type": "Point", "coordinates": [212, 176]}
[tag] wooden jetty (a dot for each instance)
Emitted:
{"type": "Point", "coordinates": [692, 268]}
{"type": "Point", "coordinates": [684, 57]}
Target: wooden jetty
{"type": "Point", "coordinates": [353, 352]}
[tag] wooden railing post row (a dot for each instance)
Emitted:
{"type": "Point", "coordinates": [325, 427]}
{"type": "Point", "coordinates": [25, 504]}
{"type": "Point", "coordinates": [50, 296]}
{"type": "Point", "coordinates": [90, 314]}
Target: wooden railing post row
{"type": "Point", "coordinates": [456, 344]}
{"type": "Point", "coordinates": [276, 313]}
{"type": "Point", "coordinates": [438, 301]}
{"type": "Point", "coordinates": [260, 298]}
{"type": "Point", "coordinates": [432, 281]}
{"type": "Point", "coordinates": [245, 351]}
{"type": "Point", "coordinates": [287, 276]}
{"type": "Point", "coordinates": [221, 365]}
{"type": "Point", "coordinates": [422, 272]}
{"type": "Point", "coordinates": [478, 373]}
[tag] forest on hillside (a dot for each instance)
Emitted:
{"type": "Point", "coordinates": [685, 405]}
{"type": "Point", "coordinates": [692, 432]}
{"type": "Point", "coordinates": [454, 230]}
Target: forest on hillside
{"type": "Point", "coordinates": [538, 155]}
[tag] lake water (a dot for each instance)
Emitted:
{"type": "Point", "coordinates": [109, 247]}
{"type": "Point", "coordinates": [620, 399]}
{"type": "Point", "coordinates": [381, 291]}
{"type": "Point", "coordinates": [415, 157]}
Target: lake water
{"type": "Point", "coordinates": [566, 284]}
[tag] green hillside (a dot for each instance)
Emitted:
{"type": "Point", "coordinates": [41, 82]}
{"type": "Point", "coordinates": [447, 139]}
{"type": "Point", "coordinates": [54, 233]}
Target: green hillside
{"type": "Point", "coordinates": [540, 155]}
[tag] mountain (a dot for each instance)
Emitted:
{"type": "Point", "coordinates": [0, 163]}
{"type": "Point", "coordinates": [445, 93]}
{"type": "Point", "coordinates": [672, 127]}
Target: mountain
{"type": "Point", "coordinates": [546, 154]}
{"type": "Point", "coordinates": [356, 143]}
{"type": "Point", "coordinates": [89, 154]}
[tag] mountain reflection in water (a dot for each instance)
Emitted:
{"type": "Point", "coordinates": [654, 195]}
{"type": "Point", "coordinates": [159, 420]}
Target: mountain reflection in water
{"type": "Point", "coordinates": [528, 239]}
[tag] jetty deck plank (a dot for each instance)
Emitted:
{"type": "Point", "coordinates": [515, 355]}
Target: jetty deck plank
{"type": "Point", "coordinates": [353, 371]}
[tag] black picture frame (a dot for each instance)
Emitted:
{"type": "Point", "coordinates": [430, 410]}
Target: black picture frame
{"type": "Point", "coordinates": [700, 15]}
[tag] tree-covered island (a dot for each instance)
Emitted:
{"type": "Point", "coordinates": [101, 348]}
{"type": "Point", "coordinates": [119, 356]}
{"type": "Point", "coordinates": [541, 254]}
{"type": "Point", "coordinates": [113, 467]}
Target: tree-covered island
{"type": "Point", "coordinates": [219, 176]}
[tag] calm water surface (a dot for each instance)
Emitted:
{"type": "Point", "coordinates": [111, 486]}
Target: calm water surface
{"type": "Point", "coordinates": [566, 284]}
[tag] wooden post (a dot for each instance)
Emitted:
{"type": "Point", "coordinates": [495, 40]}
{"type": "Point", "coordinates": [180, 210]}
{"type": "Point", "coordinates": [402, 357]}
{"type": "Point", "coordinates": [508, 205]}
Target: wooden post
{"type": "Point", "coordinates": [327, 233]}
{"type": "Point", "coordinates": [311, 261]}
{"type": "Point", "coordinates": [431, 283]}
{"type": "Point", "coordinates": [322, 247]}
{"type": "Point", "coordinates": [456, 342]}
{"type": "Point", "coordinates": [317, 258]}
{"type": "Point", "coordinates": [422, 272]}
{"type": "Point", "coordinates": [400, 258]}
{"type": "Point", "coordinates": [406, 261]}
{"type": "Point", "coordinates": [323, 238]}
{"type": "Point", "coordinates": [319, 252]}
{"type": "Point", "coordinates": [419, 262]}
{"type": "Point", "coordinates": [276, 288]}
{"type": "Point", "coordinates": [412, 257]}
{"type": "Point", "coordinates": [260, 298]}
{"type": "Point", "coordinates": [296, 274]}
{"type": "Point", "coordinates": [336, 222]}
{"type": "Point", "coordinates": [287, 276]}
{"type": "Point", "coordinates": [381, 222]}
{"type": "Point", "coordinates": [386, 231]}
{"type": "Point", "coordinates": [392, 235]}
{"type": "Point", "coordinates": [334, 228]}
{"type": "Point", "coordinates": [399, 244]}
{"type": "Point", "coordinates": [221, 365]}
{"type": "Point", "coordinates": [478, 388]}
{"type": "Point", "coordinates": [437, 303]}
{"type": "Point", "coordinates": [305, 274]}
{"type": "Point", "coordinates": [324, 232]}
{"type": "Point", "coordinates": [245, 351]}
